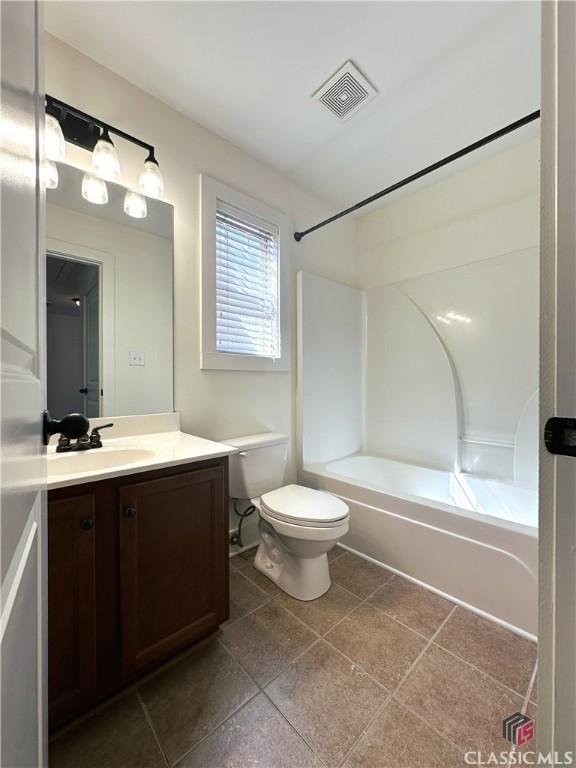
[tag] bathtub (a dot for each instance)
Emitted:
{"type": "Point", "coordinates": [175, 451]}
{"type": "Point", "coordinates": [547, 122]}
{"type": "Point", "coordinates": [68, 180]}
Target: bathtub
{"type": "Point", "coordinates": [471, 539]}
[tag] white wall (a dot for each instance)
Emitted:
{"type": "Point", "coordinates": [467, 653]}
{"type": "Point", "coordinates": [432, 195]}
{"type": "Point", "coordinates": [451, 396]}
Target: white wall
{"type": "Point", "coordinates": [330, 360]}
{"type": "Point", "coordinates": [215, 404]}
{"type": "Point", "coordinates": [490, 208]}
{"type": "Point", "coordinates": [467, 245]}
{"type": "Point", "coordinates": [143, 307]}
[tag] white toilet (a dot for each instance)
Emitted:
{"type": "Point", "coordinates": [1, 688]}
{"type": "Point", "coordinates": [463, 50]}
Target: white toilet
{"type": "Point", "coordinates": [298, 525]}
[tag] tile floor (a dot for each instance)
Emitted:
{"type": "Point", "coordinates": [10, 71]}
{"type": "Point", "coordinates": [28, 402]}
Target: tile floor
{"type": "Point", "coordinates": [377, 673]}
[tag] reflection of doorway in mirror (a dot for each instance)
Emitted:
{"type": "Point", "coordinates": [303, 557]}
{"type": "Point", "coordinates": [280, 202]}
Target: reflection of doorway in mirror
{"type": "Point", "coordinates": [73, 335]}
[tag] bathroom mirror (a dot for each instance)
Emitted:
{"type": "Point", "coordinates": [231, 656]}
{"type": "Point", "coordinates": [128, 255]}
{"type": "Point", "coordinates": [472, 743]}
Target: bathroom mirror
{"type": "Point", "coordinates": [109, 303]}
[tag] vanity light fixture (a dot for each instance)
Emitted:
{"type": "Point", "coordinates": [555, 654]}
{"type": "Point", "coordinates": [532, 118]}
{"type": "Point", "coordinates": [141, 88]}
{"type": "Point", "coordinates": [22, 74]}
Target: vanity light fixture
{"type": "Point", "coordinates": [135, 205]}
{"type": "Point", "coordinates": [94, 189]}
{"type": "Point", "coordinates": [51, 174]}
{"type": "Point", "coordinates": [150, 180]}
{"type": "Point", "coordinates": [105, 161]}
{"type": "Point", "coordinates": [54, 142]}
{"type": "Point", "coordinates": [93, 134]}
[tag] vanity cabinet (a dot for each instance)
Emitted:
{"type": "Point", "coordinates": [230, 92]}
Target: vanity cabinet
{"type": "Point", "coordinates": [172, 583]}
{"type": "Point", "coordinates": [137, 572]}
{"type": "Point", "coordinates": [72, 614]}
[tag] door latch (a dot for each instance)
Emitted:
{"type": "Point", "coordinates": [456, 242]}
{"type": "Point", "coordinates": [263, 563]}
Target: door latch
{"type": "Point", "coordinates": [560, 436]}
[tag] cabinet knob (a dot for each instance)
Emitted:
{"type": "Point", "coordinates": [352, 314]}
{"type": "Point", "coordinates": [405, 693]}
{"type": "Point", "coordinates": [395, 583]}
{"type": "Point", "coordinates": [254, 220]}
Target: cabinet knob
{"type": "Point", "coordinates": [129, 512]}
{"type": "Point", "coordinates": [87, 524]}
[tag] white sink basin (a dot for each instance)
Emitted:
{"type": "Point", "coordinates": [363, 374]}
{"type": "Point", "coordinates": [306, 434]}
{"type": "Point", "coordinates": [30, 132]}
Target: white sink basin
{"type": "Point", "coordinates": [94, 460]}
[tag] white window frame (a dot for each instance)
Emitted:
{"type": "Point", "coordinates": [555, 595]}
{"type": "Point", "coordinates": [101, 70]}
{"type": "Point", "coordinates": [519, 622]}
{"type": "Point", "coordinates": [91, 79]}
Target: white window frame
{"type": "Point", "coordinates": [210, 358]}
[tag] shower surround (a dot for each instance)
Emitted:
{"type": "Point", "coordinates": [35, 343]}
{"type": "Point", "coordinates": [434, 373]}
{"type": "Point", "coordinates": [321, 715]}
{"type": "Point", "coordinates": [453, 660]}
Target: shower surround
{"type": "Point", "coordinates": [418, 407]}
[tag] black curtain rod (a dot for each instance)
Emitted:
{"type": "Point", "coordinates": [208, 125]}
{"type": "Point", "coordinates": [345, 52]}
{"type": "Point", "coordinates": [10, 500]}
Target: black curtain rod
{"type": "Point", "coordinates": [56, 106]}
{"type": "Point", "coordinates": [429, 169]}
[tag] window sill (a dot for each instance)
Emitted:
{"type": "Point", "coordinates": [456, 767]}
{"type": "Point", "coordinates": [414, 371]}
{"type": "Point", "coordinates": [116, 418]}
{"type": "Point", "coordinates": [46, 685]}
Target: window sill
{"type": "Point", "coordinates": [224, 361]}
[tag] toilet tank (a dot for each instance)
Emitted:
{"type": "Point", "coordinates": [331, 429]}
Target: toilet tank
{"type": "Point", "coordinates": [259, 465]}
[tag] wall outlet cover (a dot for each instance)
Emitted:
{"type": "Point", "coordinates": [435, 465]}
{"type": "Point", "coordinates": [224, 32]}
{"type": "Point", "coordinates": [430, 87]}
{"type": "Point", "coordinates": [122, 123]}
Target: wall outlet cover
{"type": "Point", "coordinates": [137, 358]}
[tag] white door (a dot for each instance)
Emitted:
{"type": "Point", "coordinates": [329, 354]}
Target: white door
{"type": "Point", "coordinates": [91, 333]}
{"type": "Point", "coordinates": [22, 395]}
{"type": "Point", "coordinates": [557, 631]}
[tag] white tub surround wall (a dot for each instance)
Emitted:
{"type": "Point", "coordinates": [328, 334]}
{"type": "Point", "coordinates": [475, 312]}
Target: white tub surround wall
{"type": "Point", "coordinates": [413, 401]}
{"type": "Point", "coordinates": [215, 404]}
{"type": "Point", "coordinates": [330, 368]}
{"type": "Point", "coordinates": [451, 274]}
{"type": "Point", "coordinates": [488, 208]}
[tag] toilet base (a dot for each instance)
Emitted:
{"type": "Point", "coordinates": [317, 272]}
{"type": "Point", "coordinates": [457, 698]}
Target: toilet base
{"type": "Point", "coordinates": [305, 578]}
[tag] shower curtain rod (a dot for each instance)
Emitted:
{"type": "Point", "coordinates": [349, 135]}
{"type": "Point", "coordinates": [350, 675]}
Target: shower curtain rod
{"type": "Point", "coordinates": [429, 169]}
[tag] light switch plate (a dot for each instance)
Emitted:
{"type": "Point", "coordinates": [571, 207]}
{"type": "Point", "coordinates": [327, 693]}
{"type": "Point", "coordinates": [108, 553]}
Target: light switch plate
{"type": "Point", "coordinates": [137, 358]}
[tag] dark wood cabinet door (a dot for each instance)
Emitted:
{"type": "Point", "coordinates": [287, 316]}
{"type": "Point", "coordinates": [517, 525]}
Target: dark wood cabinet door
{"type": "Point", "coordinates": [71, 605]}
{"type": "Point", "coordinates": [173, 563]}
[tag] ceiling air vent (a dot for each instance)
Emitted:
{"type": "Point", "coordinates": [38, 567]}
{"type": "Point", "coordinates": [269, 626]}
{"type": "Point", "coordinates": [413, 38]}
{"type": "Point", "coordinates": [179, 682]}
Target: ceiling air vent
{"type": "Point", "coordinates": [346, 92]}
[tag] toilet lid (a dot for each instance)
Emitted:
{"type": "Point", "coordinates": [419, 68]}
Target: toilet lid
{"type": "Point", "coordinates": [297, 504]}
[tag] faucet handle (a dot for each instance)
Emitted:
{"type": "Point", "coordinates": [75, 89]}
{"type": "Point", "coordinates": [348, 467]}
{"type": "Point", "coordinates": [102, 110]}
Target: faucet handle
{"type": "Point", "coordinates": [95, 439]}
{"type": "Point", "coordinates": [104, 426]}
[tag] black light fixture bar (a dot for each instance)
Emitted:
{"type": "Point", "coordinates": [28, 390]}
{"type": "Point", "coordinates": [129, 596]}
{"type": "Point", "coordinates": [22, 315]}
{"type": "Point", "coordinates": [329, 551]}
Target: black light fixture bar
{"type": "Point", "coordinates": [424, 172]}
{"type": "Point", "coordinates": [88, 139]}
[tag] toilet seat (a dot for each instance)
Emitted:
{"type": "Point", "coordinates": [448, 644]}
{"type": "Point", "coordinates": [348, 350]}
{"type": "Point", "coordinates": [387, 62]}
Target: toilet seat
{"type": "Point", "coordinates": [301, 506]}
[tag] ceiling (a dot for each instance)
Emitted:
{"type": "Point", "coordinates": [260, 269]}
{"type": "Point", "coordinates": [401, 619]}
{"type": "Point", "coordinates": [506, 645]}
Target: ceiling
{"type": "Point", "coordinates": [447, 73]}
{"type": "Point", "coordinates": [65, 280]}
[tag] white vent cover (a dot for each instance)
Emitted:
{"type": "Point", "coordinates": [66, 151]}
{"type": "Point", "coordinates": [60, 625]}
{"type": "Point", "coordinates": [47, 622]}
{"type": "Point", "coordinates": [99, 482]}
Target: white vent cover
{"type": "Point", "coordinates": [346, 92]}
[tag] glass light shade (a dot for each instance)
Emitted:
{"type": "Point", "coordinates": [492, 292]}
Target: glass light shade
{"type": "Point", "coordinates": [51, 174]}
{"type": "Point", "coordinates": [94, 189]}
{"type": "Point", "coordinates": [54, 142]}
{"type": "Point", "coordinates": [150, 181]}
{"type": "Point", "coordinates": [105, 161]}
{"type": "Point", "coordinates": [135, 205]}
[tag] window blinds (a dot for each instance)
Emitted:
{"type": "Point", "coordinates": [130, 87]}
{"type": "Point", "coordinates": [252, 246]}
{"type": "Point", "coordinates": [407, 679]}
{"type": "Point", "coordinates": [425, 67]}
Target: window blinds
{"type": "Point", "coordinates": [247, 284]}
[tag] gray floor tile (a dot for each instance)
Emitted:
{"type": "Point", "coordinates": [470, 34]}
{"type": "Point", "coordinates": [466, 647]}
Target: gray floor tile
{"type": "Point", "coordinates": [321, 614]}
{"type": "Point", "coordinates": [381, 646]}
{"type": "Point", "coordinates": [115, 737]}
{"type": "Point", "coordinates": [245, 596]}
{"type": "Point", "coordinates": [255, 737]}
{"type": "Point", "coordinates": [413, 605]}
{"type": "Point", "coordinates": [189, 699]}
{"type": "Point", "coordinates": [328, 700]}
{"type": "Point", "coordinates": [265, 641]}
{"type": "Point", "coordinates": [358, 575]}
{"type": "Point", "coordinates": [263, 582]}
{"type": "Point", "coordinates": [500, 653]}
{"type": "Point", "coordinates": [459, 702]}
{"type": "Point", "coordinates": [335, 552]}
{"type": "Point", "coordinates": [398, 739]}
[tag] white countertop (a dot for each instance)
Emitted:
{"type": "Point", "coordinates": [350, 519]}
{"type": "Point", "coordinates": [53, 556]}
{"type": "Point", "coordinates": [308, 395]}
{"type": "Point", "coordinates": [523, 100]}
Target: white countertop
{"type": "Point", "coordinates": [129, 455]}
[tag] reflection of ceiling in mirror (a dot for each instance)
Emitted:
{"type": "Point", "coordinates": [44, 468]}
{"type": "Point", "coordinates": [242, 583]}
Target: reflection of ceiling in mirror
{"type": "Point", "coordinates": [68, 195]}
{"type": "Point", "coordinates": [67, 279]}
{"type": "Point", "coordinates": [447, 74]}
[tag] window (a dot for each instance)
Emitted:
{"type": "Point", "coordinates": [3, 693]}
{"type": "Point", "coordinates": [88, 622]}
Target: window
{"type": "Point", "coordinates": [247, 284]}
{"type": "Point", "coordinates": [244, 317]}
